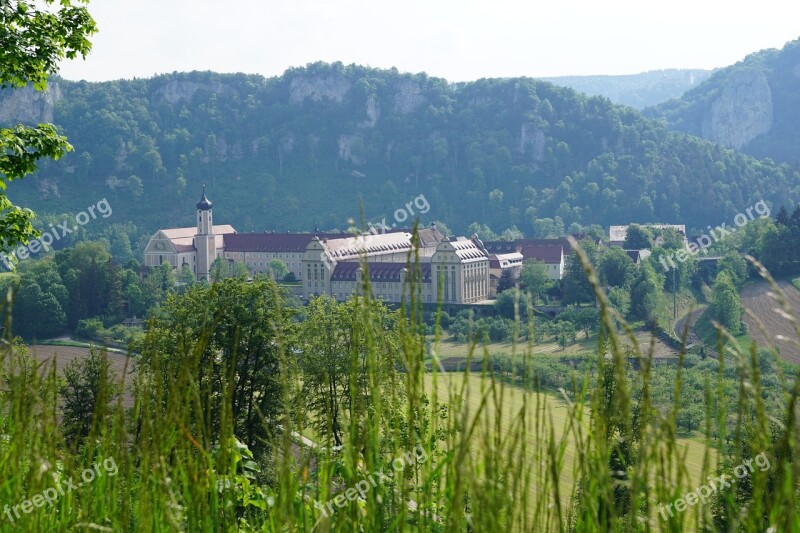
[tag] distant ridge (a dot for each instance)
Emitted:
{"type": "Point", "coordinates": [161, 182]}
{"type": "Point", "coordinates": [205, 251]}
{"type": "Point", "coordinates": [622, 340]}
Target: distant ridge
{"type": "Point", "coordinates": [752, 106]}
{"type": "Point", "coordinates": [636, 90]}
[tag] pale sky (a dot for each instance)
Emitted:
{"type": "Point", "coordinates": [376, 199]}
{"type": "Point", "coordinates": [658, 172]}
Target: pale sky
{"type": "Point", "coordinates": [458, 40]}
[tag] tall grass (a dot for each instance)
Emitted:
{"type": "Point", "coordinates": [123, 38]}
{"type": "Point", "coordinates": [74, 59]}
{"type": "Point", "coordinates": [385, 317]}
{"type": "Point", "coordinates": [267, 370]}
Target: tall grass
{"type": "Point", "coordinates": [467, 452]}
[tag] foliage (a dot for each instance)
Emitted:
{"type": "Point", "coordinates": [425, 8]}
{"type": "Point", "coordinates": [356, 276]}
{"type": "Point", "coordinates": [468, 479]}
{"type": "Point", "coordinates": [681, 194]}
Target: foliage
{"type": "Point", "coordinates": [183, 463]}
{"type": "Point", "coordinates": [561, 160]}
{"type": "Point", "coordinates": [34, 37]}
{"type": "Point", "coordinates": [647, 294]}
{"type": "Point", "coordinates": [534, 278]}
{"type": "Point", "coordinates": [637, 238]}
{"type": "Point", "coordinates": [577, 288]}
{"type": "Point", "coordinates": [511, 303]}
{"type": "Point", "coordinates": [726, 306]}
{"type": "Point", "coordinates": [333, 362]}
{"type": "Point", "coordinates": [88, 394]}
{"type": "Point", "coordinates": [616, 268]}
{"type": "Point", "coordinates": [506, 280]}
{"type": "Point", "coordinates": [235, 331]}
{"type": "Point", "coordinates": [779, 243]}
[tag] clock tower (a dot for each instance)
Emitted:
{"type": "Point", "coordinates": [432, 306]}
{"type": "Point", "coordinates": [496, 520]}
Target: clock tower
{"type": "Point", "coordinates": [204, 241]}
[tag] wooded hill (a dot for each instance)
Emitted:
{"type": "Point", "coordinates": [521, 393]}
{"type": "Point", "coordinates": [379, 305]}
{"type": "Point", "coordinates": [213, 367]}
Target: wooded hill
{"type": "Point", "coordinates": [753, 105]}
{"type": "Point", "coordinates": [300, 150]}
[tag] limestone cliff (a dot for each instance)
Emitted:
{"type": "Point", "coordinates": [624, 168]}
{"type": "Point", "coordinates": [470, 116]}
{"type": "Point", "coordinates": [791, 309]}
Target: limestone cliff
{"type": "Point", "coordinates": [29, 106]}
{"type": "Point", "coordinates": [333, 87]}
{"type": "Point", "coordinates": [408, 96]}
{"type": "Point", "coordinates": [176, 90]}
{"type": "Point", "coordinates": [742, 111]}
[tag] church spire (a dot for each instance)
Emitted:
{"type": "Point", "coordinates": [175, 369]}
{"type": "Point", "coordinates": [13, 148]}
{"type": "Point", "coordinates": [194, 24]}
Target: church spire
{"type": "Point", "coordinates": [204, 204]}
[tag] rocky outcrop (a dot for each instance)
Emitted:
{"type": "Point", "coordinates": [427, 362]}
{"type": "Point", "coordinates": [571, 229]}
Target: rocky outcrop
{"type": "Point", "coordinates": [373, 112]}
{"type": "Point", "coordinates": [408, 97]}
{"type": "Point", "coordinates": [741, 112]}
{"type": "Point", "coordinates": [532, 141]}
{"type": "Point", "coordinates": [176, 90]}
{"type": "Point", "coordinates": [332, 87]}
{"type": "Point", "coordinates": [29, 106]}
{"type": "Point", "coordinates": [350, 148]}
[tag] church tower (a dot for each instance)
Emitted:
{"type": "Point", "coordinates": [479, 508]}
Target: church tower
{"type": "Point", "coordinates": [204, 241]}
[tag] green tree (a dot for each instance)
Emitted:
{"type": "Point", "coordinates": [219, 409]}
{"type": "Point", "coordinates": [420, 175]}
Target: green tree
{"type": "Point", "coordinates": [637, 238]}
{"type": "Point", "coordinates": [335, 357]}
{"type": "Point", "coordinates": [726, 306]}
{"type": "Point", "coordinates": [88, 394]}
{"type": "Point", "coordinates": [616, 268]}
{"type": "Point", "coordinates": [587, 319]}
{"type": "Point", "coordinates": [647, 294]}
{"type": "Point", "coordinates": [34, 38]}
{"type": "Point", "coordinates": [278, 269]}
{"type": "Point", "coordinates": [120, 245]}
{"type": "Point", "coordinates": [577, 288]}
{"type": "Point", "coordinates": [233, 331]}
{"type": "Point", "coordinates": [735, 265]}
{"type": "Point", "coordinates": [506, 280]}
{"type": "Point", "coordinates": [620, 299]}
{"type": "Point", "coordinates": [534, 278]}
{"type": "Point", "coordinates": [504, 305]}
{"type": "Point", "coordinates": [186, 276]}
{"type": "Point", "coordinates": [37, 314]}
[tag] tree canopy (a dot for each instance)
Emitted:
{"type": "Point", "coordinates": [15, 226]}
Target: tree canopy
{"type": "Point", "coordinates": [34, 37]}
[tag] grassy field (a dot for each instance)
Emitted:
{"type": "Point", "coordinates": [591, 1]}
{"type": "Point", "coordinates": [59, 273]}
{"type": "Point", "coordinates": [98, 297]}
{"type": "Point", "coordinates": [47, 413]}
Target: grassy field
{"type": "Point", "coordinates": [506, 403]}
{"type": "Point", "coordinates": [448, 348]}
{"type": "Point", "coordinates": [400, 449]}
{"type": "Point", "coordinates": [582, 347]}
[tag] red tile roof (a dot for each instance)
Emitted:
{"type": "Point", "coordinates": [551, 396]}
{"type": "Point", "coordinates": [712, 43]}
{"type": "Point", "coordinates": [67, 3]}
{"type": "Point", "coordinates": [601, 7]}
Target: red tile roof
{"type": "Point", "coordinates": [272, 242]}
{"type": "Point", "coordinates": [547, 254]}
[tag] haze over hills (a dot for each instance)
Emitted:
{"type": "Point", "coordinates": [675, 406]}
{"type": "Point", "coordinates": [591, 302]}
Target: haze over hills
{"type": "Point", "coordinates": [636, 90]}
{"type": "Point", "coordinates": [297, 151]}
{"type": "Point", "coordinates": [753, 106]}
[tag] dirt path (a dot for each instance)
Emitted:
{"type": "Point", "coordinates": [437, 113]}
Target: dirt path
{"type": "Point", "coordinates": [756, 299]}
{"type": "Point", "coordinates": [691, 318]}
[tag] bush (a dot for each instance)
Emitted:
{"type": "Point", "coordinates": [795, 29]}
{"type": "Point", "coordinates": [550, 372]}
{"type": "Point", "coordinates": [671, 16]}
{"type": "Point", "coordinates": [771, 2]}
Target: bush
{"type": "Point", "coordinates": [90, 328]}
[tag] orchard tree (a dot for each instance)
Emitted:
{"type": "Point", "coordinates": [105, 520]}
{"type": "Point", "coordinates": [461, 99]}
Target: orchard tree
{"type": "Point", "coordinates": [506, 300]}
{"type": "Point", "coordinates": [34, 37]}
